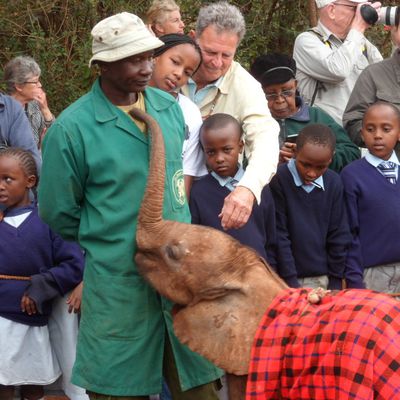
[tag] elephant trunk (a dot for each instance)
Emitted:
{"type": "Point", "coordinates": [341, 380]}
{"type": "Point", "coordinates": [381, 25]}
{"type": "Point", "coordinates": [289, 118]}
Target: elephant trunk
{"type": "Point", "coordinates": [150, 213]}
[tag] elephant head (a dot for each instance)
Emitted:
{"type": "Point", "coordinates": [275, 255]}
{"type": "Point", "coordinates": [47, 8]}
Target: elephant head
{"type": "Point", "coordinates": [223, 287]}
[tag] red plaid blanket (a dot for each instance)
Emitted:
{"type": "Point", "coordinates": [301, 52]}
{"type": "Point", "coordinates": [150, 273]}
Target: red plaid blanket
{"type": "Point", "coordinates": [345, 347]}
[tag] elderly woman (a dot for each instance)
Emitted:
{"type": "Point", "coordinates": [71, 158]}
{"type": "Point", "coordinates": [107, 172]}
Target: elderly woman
{"type": "Point", "coordinates": [22, 77]}
{"type": "Point", "coordinates": [276, 73]}
{"type": "Point", "coordinates": [164, 17]}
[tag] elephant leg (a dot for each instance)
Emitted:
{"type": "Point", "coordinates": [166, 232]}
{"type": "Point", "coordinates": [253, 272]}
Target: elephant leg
{"type": "Point", "coordinates": [236, 386]}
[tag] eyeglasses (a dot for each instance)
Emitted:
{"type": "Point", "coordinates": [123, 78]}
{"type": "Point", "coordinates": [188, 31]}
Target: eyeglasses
{"type": "Point", "coordinates": [345, 5]}
{"type": "Point", "coordinates": [32, 82]}
{"type": "Point", "coordinates": [285, 94]}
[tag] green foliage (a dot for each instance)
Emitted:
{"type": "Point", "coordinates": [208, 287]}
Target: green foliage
{"type": "Point", "coordinates": [57, 34]}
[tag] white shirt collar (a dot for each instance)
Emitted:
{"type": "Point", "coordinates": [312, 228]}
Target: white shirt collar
{"type": "Point", "coordinates": [319, 182]}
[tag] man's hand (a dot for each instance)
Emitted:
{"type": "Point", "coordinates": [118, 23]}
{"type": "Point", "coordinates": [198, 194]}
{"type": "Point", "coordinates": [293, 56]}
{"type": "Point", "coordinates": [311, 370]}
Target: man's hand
{"type": "Point", "coordinates": [28, 305]}
{"type": "Point", "coordinates": [358, 22]}
{"type": "Point", "coordinates": [286, 152]}
{"type": "Point", "coordinates": [237, 208]}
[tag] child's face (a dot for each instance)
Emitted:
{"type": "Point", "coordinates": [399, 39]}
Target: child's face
{"type": "Point", "coordinates": [174, 67]}
{"type": "Point", "coordinates": [381, 130]}
{"type": "Point", "coordinates": [222, 148]}
{"type": "Point", "coordinates": [14, 183]}
{"type": "Point", "coordinates": [312, 161]}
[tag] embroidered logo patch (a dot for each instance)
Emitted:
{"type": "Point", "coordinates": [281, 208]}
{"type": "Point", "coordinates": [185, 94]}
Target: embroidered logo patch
{"type": "Point", "coordinates": [178, 187]}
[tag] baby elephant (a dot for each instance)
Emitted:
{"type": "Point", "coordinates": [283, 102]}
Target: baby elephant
{"type": "Point", "coordinates": [235, 311]}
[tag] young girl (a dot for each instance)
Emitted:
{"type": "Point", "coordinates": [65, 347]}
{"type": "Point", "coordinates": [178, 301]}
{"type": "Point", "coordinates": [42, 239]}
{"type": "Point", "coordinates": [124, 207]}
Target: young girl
{"type": "Point", "coordinates": [175, 63]}
{"type": "Point", "coordinates": [36, 266]}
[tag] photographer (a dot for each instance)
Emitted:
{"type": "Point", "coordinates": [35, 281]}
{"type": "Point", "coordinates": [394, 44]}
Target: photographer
{"type": "Point", "coordinates": [378, 82]}
{"type": "Point", "coordinates": [331, 56]}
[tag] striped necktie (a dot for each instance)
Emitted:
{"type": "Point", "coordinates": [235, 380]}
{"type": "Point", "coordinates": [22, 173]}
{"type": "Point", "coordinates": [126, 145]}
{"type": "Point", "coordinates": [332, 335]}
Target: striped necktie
{"type": "Point", "coordinates": [231, 184]}
{"type": "Point", "coordinates": [388, 169]}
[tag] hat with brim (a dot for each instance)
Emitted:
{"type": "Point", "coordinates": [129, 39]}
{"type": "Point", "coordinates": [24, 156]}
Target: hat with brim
{"type": "Point", "coordinates": [120, 36]}
{"type": "Point", "coordinates": [323, 3]}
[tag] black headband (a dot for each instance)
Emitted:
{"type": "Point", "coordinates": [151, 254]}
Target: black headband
{"type": "Point", "coordinates": [172, 40]}
{"type": "Point", "coordinates": [277, 75]}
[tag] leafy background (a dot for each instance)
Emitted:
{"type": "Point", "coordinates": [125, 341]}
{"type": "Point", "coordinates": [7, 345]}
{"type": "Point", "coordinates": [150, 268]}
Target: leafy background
{"type": "Point", "coordinates": [57, 34]}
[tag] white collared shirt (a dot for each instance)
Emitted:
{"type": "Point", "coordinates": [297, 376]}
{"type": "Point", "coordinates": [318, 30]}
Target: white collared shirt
{"type": "Point", "coordinates": [375, 161]}
{"type": "Point", "coordinates": [319, 182]}
{"type": "Point", "coordinates": [228, 180]}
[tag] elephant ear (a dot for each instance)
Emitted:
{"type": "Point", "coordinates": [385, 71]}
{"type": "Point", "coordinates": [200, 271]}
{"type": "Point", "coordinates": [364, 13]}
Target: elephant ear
{"type": "Point", "coordinates": [221, 330]}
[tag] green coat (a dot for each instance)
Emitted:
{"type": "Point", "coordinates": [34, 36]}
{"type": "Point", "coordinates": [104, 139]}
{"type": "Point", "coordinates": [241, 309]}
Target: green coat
{"type": "Point", "coordinates": [95, 166]}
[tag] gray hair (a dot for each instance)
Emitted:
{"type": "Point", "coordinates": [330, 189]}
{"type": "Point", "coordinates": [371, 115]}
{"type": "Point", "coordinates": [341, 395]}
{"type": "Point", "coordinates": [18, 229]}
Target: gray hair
{"type": "Point", "coordinates": [159, 10]}
{"type": "Point", "coordinates": [224, 17]}
{"type": "Point", "coordinates": [18, 70]}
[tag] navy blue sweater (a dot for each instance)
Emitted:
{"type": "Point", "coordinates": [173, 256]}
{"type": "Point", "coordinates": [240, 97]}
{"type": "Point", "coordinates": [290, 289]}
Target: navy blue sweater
{"type": "Point", "coordinates": [206, 201]}
{"type": "Point", "coordinates": [312, 228]}
{"type": "Point", "coordinates": [373, 206]}
{"type": "Point", "coordinates": [54, 265]}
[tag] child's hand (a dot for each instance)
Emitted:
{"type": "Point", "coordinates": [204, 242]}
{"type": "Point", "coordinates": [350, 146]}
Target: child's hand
{"type": "Point", "coordinates": [28, 305]}
{"type": "Point", "coordinates": [75, 299]}
{"type": "Point", "coordinates": [287, 152]}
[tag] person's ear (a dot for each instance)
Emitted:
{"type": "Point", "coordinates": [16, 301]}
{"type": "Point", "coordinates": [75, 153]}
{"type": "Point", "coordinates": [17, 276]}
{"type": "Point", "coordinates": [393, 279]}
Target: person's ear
{"type": "Point", "coordinates": [295, 84]}
{"type": "Point", "coordinates": [362, 134]}
{"type": "Point", "coordinates": [331, 10]}
{"type": "Point", "coordinates": [158, 30]}
{"type": "Point", "coordinates": [31, 181]}
{"type": "Point", "coordinates": [241, 144]}
{"type": "Point", "coordinates": [18, 88]}
{"type": "Point", "coordinates": [102, 66]}
{"type": "Point", "coordinates": [192, 34]}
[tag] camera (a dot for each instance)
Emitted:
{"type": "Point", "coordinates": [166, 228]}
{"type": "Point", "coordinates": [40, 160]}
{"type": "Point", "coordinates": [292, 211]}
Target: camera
{"type": "Point", "coordinates": [385, 15]}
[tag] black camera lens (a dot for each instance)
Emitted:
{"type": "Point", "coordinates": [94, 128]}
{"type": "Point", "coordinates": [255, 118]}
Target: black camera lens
{"type": "Point", "coordinates": [369, 14]}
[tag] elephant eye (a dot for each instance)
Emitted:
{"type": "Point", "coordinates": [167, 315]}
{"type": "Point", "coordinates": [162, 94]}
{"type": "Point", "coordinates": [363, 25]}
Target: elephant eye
{"type": "Point", "coordinates": [173, 252]}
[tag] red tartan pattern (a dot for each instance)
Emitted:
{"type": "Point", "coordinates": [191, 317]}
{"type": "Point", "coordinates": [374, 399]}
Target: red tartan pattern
{"type": "Point", "coordinates": [345, 347]}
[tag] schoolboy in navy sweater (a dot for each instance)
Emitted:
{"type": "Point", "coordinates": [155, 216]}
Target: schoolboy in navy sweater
{"type": "Point", "coordinates": [373, 204]}
{"type": "Point", "coordinates": [312, 229]}
{"type": "Point", "coordinates": [220, 137]}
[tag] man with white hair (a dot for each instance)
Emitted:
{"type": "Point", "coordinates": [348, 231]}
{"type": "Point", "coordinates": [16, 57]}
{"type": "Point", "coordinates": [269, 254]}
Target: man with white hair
{"type": "Point", "coordinates": [96, 161]}
{"type": "Point", "coordinates": [221, 85]}
{"type": "Point", "coordinates": [331, 56]}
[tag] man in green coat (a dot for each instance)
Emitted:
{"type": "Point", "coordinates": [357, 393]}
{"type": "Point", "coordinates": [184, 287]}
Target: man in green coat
{"type": "Point", "coordinates": [95, 168]}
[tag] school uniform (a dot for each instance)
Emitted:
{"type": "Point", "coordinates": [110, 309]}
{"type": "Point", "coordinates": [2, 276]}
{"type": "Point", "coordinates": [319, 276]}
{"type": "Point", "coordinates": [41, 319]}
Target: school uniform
{"type": "Point", "coordinates": [36, 262]}
{"type": "Point", "coordinates": [373, 205]}
{"type": "Point", "coordinates": [206, 201]}
{"type": "Point", "coordinates": [312, 229]}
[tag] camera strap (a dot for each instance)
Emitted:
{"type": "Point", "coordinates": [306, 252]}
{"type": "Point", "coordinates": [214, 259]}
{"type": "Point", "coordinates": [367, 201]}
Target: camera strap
{"type": "Point", "coordinates": [319, 85]}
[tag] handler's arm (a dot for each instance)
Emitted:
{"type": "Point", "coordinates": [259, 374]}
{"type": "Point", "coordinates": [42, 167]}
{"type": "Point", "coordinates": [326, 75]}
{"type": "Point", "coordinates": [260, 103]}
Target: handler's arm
{"type": "Point", "coordinates": [61, 183]}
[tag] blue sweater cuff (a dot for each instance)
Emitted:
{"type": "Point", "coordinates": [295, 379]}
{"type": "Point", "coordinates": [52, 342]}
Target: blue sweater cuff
{"type": "Point", "coordinates": [335, 283]}
{"type": "Point", "coordinates": [292, 282]}
{"type": "Point", "coordinates": [355, 284]}
{"type": "Point", "coordinates": [42, 289]}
